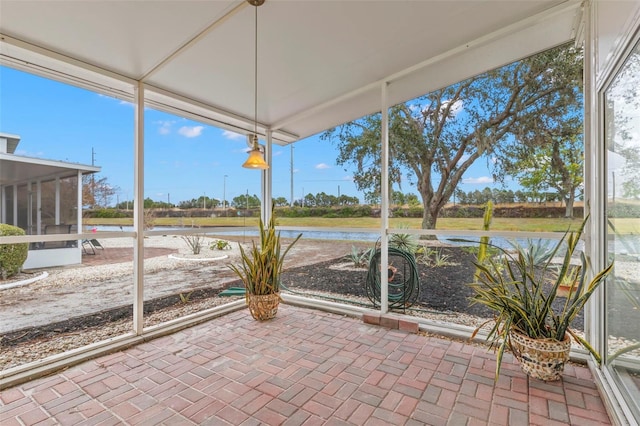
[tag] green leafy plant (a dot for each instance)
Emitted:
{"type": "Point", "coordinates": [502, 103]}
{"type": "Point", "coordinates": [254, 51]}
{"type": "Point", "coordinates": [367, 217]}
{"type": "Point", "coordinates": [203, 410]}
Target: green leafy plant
{"type": "Point", "coordinates": [484, 241]}
{"type": "Point", "coordinates": [195, 242]}
{"type": "Point", "coordinates": [440, 259]}
{"type": "Point", "coordinates": [434, 258]}
{"type": "Point", "coordinates": [261, 265]}
{"type": "Point", "coordinates": [184, 297]}
{"type": "Point", "coordinates": [404, 242]}
{"type": "Point", "coordinates": [359, 258]}
{"type": "Point", "coordinates": [12, 256]}
{"type": "Point", "coordinates": [539, 250]}
{"type": "Point", "coordinates": [521, 294]}
{"type": "Point", "coordinates": [220, 245]}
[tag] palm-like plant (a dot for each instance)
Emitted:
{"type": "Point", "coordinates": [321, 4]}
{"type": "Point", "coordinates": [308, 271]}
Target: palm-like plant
{"type": "Point", "coordinates": [522, 294]}
{"type": "Point", "coordinates": [261, 265]}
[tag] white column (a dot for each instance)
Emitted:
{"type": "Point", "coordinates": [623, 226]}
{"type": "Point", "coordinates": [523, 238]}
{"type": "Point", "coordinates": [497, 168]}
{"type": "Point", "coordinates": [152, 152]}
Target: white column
{"type": "Point", "coordinates": [29, 208]}
{"type": "Point", "coordinates": [57, 213]}
{"type": "Point", "coordinates": [3, 204]}
{"type": "Point", "coordinates": [266, 181]}
{"type": "Point", "coordinates": [138, 211]}
{"type": "Point", "coordinates": [384, 202]}
{"type": "Point", "coordinates": [15, 205]}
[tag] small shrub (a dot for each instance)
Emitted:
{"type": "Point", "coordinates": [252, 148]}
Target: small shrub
{"type": "Point", "coordinates": [220, 245]}
{"type": "Point", "coordinates": [149, 219]}
{"type": "Point", "coordinates": [12, 256]}
{"type": "Point", "coordinates": [108, 214]}
{"type": "Point", "coordinates": [440, 259]}
{"type": "Point", "coordinates": [184, 297]}
{"type": "Point", "coordinates": [359, 258]}
{"type": "Point", "coordinates": [415, 211]}
{"type": "Point", "coordinates": [194, 242]}
{"type": "Point", "coordinates": [539, 251]}
{"type": "Point", "coordinates": [434, 258]}
{"type": "Point", "coordinates": [405, 242]}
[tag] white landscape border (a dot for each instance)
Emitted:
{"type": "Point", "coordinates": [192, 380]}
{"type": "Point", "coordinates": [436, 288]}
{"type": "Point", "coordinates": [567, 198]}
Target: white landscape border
{"type": "Point", "coordinates": [28, 281]}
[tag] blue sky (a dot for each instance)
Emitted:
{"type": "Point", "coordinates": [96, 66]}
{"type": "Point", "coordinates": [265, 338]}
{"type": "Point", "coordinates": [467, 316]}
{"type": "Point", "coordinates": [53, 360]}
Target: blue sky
{"type": "Point", "coordinates": [183, 160]}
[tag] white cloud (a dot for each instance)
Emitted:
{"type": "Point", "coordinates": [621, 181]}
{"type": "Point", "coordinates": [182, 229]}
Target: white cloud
{"type": "Point", "coordinates": [227, 134]}
{"type": "Point", "coordinates": [322, 166]}
{"type": "Point", "coordinates": [191, 132]}
{"type": "Point", "coordinates": [165, 127]}
{"type": "Point", "coordinates": [455, 108]}
{"type": "Point", "coordinates": [348, 178]}
{"type": "Point", "coordinates": [478, 180]}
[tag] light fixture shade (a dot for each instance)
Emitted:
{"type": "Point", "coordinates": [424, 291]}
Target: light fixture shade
{"type": "Point", "coordinates": [255, 160]}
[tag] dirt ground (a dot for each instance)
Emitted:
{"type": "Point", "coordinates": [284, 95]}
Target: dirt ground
{"type": "Point", "coordinates": [312, 265]}
{"type": "Point", "coordinates": [83, 292]}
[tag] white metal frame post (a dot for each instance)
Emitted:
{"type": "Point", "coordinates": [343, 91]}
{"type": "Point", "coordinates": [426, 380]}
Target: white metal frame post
{"type": "Point", "coordinates": [79, 205]}
{"type": "Point", "coordinates": [266, 177]}
{"type": "Point", "coordinates": [384, 202]}
{"type": "Point", "coordinates": [594, 188]}
{"type": "Point", "coordinates": [138, 211]}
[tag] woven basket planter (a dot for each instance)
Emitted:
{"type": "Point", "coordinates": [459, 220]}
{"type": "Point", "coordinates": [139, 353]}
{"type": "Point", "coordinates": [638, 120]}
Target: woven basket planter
{"type": "Point", "coordinates": [263, 307]}
{"type": "Point", "coordinates": [542, 359]}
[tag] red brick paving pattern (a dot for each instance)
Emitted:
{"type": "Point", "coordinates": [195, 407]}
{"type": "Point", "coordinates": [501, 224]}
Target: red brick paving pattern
{"type": "Point", "coordinates": [304, 367]}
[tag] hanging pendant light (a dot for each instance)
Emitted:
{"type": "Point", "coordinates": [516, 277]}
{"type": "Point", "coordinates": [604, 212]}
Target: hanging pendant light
{"type": "Point", "coordinates": [256, 156]}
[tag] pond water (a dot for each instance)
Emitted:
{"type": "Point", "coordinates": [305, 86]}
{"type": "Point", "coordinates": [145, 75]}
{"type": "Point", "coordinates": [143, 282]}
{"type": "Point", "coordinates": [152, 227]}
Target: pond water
{"type": "Point", "coordinates": [347, 236]}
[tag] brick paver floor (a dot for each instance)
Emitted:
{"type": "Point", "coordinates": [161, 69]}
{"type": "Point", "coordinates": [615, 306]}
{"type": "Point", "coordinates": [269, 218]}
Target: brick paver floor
{"type": "Point", "coordinates": [304, 367]}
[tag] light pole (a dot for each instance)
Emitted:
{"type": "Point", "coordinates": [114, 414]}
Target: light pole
{"type": "Point", "coordinates": [224, 196]}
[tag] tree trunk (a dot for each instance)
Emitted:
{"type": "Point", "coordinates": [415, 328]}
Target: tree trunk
{"type": "Point", "coordinates": [429, 218]}
{"type": "Point", "coordinates": [568, 212]}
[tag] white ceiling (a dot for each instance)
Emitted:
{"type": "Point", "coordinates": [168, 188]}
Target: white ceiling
{"type": "Point", "coordinates": [320, 63]}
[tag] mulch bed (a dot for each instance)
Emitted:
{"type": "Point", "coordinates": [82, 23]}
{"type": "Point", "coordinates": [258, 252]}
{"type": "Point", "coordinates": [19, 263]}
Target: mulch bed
{"type": "Point", "coordinates": [442, 288]}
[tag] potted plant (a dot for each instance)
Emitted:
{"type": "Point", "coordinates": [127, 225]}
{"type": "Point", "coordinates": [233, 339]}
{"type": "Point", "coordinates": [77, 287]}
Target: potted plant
{"type": "Point", "coordinates": [521, 291]}
{"type": "Point", "coordinates": [260, 271]}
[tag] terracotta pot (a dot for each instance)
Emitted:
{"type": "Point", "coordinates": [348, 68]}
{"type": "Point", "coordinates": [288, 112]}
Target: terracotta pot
{"type": "Point", "coordinates": [542, 359]}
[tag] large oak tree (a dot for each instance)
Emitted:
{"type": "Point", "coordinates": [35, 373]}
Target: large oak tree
{"type": "Point", "coordinates": [437, 137]}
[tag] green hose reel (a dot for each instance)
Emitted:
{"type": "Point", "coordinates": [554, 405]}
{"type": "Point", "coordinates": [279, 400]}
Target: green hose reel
{"type": "Point", "coordinates": [404, 282]}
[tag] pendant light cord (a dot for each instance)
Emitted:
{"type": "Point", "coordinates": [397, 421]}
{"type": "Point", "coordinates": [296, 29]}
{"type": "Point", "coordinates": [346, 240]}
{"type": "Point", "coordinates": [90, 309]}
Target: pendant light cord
{"type": "Point", "coordinates": [255, 84]}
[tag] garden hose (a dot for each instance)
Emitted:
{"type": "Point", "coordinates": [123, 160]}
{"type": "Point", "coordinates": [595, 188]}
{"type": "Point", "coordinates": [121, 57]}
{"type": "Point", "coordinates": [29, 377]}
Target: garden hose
{"type": "Point", "coordinates": [404, 282]}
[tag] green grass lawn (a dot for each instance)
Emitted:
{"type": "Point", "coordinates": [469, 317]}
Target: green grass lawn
{"type": "Point", "coordinates": [625, 226]}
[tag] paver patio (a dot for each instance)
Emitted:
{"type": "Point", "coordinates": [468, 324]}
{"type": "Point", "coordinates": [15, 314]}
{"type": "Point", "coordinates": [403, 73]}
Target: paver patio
{"type": "Point", "coordinates": [304, 367]}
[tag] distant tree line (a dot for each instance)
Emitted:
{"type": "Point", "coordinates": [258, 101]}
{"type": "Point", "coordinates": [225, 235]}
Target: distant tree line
{"type": "Point", "coordinates": [321, 199]}
{"type": "Point", "coordinates": [505, 196]}
{"type": "Point", "coordinates": [247, 201]}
